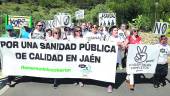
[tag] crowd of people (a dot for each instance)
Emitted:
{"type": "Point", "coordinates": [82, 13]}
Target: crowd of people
{"type": "Point", "coordinates": [122, 36]}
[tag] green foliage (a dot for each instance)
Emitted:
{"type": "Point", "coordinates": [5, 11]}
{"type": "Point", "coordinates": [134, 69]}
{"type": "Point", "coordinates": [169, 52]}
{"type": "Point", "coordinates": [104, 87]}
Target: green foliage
{"type": "Point", "coordinates": [141, 22]}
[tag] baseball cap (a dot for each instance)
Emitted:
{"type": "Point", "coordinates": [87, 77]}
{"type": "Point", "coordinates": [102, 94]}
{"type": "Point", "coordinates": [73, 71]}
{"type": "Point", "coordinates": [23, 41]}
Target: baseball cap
{"type": "Point", "coordinates": [9, 27]}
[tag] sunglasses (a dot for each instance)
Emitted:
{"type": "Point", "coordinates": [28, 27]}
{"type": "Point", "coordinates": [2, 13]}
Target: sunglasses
{"type": "Point", "coordinates": [78, 31]}
{"type": "Point", "coordinates": [39, 25]}
{"type": "Point", "coordinates": [94, 27]}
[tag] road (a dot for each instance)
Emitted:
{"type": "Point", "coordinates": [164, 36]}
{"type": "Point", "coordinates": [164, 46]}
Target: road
{"type": "Point", "coordinates": [44, 87]}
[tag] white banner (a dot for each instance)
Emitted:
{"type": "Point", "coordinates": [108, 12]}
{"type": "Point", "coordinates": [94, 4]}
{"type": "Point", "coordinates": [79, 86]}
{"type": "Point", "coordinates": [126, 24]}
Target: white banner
{"type": "Point", "coordinates": [59, 59]}
{"type": "Point", "coordinates": [79, 14]}
{"type": "Point", "coordinates": [107, 19]}
{"type": "Point", "coordinates": [161, 28]}
{"type": "Point", "coordinates": [142, 58]}
{"type": "Point", "coordinates": [62, 20]}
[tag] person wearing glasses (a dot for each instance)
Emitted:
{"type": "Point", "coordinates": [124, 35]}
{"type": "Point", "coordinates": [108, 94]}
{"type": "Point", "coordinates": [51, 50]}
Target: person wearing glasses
{"type": "Point", "coordinates": [38, 31]}
{"type": "Point", "coordinates": [56, 33]}
{"type": "Point", "coordinates": [94, 34]}
{"type": "Point", "coordinates": [77, 36]}
{"type": "Point", "coordinates": [134, 38]}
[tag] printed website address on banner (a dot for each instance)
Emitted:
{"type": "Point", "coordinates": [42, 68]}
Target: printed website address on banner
{"type": "Point", "coordinates": [45, 69]}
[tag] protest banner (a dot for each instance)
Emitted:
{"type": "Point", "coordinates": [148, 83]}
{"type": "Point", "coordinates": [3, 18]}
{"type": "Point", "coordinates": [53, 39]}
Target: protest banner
{"type": "Point", "coordinates": [142, 58]}
{"type": "Point", "coordinates": [18, 21]}
{"type": "Point", "coordinates": [79, 14]}
{"type": "Point", "coordinates": [107, 19]}
{"type": "Point", "coordinates": [61, 59]}
{"type": "Point", "coordinates": [161, 28]}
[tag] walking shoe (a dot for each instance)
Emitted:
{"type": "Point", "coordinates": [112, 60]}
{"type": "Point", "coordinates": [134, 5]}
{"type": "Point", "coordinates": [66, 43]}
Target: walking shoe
{"type": "Point", "coordinates": [120, 67]}
{"type": "Point", "coordinates": [163, 83]}
{"type": "Point", "coordinates": [131, 87]}
{"type": "Point", "coordinates": [109, 89]}
{"type": "Point", "coordinates": [156, 85]}
{"type": "Point", "coordinates": [81, 84]}
{"type": "Point", "coordinates": [75, 84]}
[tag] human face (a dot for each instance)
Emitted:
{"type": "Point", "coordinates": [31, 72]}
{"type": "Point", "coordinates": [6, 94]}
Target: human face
{"type": "Point", "coordinates": [49, 33]}
{"type": "Point", "coordinates": [39, 26]}
{"type": "Point", "coordinates": [164, 40]}
{"type": "Point", "coordinates": [56, 35]}
{"type": "Point", "coordinates": [77, 33]}
{"type": "Point", "coordinates": [94, 29]}
{"type": "Point", "coordinates": [135, 32]}
{"type": "Point", "coordinates": [115, 32]}
{"type": "Point", "coordinates": [83, 26]}
{"type": "Point", "coordinates": [123, 27]}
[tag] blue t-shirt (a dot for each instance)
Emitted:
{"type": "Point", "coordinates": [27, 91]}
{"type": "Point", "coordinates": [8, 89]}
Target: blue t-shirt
{"type": "Point", "coordinates": [24, 33]}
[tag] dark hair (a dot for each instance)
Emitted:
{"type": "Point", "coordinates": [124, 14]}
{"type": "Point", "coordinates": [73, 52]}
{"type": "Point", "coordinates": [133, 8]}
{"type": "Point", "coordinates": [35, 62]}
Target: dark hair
{"type": "Point", "coordinates": [48, 30]}
{"type": "Point", "coordinates": [37, 23]}
{"type": "Point", "coordinates": [162, 36]}
{"type": "Point", "coordinates": [111, 28]}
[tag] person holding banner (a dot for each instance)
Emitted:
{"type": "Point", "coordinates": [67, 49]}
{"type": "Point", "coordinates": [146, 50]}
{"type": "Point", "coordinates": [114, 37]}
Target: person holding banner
{"type": "Point", "coordinates": [114, 38]}
{"type": "Point", "coordinates": [78, 36]}
{"type": "Point", "coordinates": [123, 33]}
{"type": "Point", "coordinates": [48, 34]}
{"type": "Point", "coordinates": [94, 34]}
{"type": "Point", "coordinates": [56, 32]}
{"type": "Point", "coordinates": [134, 38]}
{"type": "Point", "coordinates": [162, 65]}
{"type": "Point", "coordinates": [38, 31]}
{"type": "Point", "coordinates": [10, 32]}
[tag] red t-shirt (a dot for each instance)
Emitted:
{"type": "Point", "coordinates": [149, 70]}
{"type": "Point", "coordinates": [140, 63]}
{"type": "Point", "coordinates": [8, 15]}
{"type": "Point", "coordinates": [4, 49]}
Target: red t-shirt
{"type": "Point", "coordinates": [133, 41]}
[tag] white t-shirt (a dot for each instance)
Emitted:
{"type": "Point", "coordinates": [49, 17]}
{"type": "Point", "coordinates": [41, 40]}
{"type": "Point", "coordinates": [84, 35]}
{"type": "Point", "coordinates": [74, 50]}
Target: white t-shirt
{"type": "Point", "coordinates": [164, 52]}
{"type": "Point", "coordinates": [37, 35]}
{"type": "Point", "coordinates": [119, 55]}
{"type": "Point", "coordinates": [121, 35]}
{"type": "Point", "coordinates": [91, 36]}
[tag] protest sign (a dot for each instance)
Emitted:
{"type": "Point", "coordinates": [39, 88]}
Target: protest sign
{"type": "Point", "coordinates": [79, 14]}
{"type": "Point", "coordinates": [160, 28]}
{"type": "Point", "coordinates": [142, 58]}
{"type": "Point", "coordinates": [107, 19]}
{"type": "Point", "coordinates": [61, 59]}
{"type": "Point", "coordinates": [61, 20]}
{"type": "Point", "coordinates": [18, 21]}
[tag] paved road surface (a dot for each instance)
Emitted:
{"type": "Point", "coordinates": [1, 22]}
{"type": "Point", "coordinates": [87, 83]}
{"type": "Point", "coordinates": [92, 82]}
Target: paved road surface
{"type": "Point", "coordinates": [33, 87]}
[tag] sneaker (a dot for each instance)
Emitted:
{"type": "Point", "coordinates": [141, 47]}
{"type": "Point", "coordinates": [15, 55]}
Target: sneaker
{"type": "Point", "coordinates": [163, 83]}
{"type": "Point", "coordinates": [109, 89]}
{"type": "Point", "coordinates": [131, 87]}
{"type": "Point", "coordinates": [156, 85]}
{"type": "Point", "coordinates": [120, 67]}
{"type": "Point", "coordinates": [75, 83]}
{"type": "Point", "coordinates": [81, 84]}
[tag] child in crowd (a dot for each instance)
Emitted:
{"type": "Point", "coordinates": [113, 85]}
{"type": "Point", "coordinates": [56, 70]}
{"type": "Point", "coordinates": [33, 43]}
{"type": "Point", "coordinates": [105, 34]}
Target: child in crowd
{"type": "Point", "coordinates": [162, 65]}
